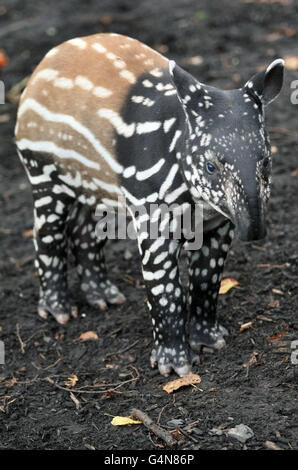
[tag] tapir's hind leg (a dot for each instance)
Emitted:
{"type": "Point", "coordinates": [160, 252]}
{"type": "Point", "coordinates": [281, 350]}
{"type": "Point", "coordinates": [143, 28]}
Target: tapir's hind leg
{"type": "Point", "coordinates": [89, 259]}
{"type": "Point", "coordinates": [52, 202]}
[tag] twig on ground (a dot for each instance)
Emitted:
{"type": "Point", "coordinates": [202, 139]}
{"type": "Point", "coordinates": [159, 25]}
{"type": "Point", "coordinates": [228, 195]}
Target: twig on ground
{"type": "Point", "coordinates": [20, 339]}
{"type": "Point", "coordinates": [48, 367]}
{"type": "Point", "coordinates": [13, 27]}
{"type": "Point", "coordinates": [73, 390]}
{"type": "Point", "coordinates": [281, 130]}
{"type": "Point", "coordinates": [157, 430]}
{"type": "Point", "coordinates": [186, 434]}
{"type": "Point", "coordinates": [116, 353]}
{"type": "Point", "coordinates": [24, 343]}
{"type": "Point", "coordinates": [76, 401]}
{"type": "Point", "coordinates": [161, 412]}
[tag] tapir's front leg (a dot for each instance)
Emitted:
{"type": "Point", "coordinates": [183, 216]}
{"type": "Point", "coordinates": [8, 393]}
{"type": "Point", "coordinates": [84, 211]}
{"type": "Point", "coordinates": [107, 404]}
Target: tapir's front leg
{"type": "Point", "coordinates": [205, 273]}
{"type": "Point", "coordinates": [167, 305]}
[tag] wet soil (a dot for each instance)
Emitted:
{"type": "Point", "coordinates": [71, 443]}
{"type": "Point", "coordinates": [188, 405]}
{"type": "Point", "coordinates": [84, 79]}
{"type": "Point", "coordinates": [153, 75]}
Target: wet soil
{"type": "Point", "coordinates": [253, 380]}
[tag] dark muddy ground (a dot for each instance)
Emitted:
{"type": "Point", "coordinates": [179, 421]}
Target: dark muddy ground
{"type": "Point", "coordinates": [252, 381]}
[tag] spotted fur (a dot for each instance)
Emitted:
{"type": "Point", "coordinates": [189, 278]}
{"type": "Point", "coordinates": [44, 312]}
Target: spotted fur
{"type": "Point", "coordinates": [106, 116]}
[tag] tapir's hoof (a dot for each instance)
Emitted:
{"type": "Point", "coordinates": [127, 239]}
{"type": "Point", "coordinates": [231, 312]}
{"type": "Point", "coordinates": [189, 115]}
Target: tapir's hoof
{"type": "Point", "coordinates": [211, 336]}
{"type": "Point", "coordinates": [103, 295]}
{"type": "Point", "coordinates": [117, 299]}
{"type": "Point", "coordinates": [61, 317]}
{"type": "Point", "coordinates": [177, 359]}
{"type": "Point", "coordinates": [99, 303]}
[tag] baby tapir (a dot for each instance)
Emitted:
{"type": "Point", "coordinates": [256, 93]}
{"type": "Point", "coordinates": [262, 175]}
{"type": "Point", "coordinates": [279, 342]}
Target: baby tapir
{"type": "Point", "coordinates": [105, 116]}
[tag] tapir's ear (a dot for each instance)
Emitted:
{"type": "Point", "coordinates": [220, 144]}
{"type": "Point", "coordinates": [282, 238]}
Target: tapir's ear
{"type": "Point", "coordinates": [268, 83]}
{"type": "Point", "coordinates": [183, 81]}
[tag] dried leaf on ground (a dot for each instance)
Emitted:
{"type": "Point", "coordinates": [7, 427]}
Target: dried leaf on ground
{"type": "Point", "coordinates": [277, 291]}
{"type": "Point", "coordinates": [3, 58]}
{"type": "Point", "coordinates": [227, 284]}
{"type": "Point", "coordinates": [194, 60]}
{"type": "Point", "coordinates": [286, 31]}
{"type": "Point", "coordinates": [291, 62]}
{"type": "Point", "coordinates": [274, 303]}
{"type": "Point", "coordinates": [71, 381]}
{"type": "Point", "coordinates": [28, 233]}
{"type": "Point", "coordinates": [189, 379]}
{"type": "Point", "coordinates": [254, 360]}
{"type": "Point", "coordinates": [88, 335]}
{"type": "Point", "coordinates": [111, 366]}
{"type": "Point", "coordinates": [244, 326]}
{"type": "Point", "coordinates": [272, 446]}
{"type": "Point", "coordinates": [5, 117]}
{"type": "Point", "coordinates": [106, 19]}
{"type": "Point", "coordinates": [175, 432]}
{"type": "Point", "coordinates": [263, 318]}
{"type": "Point", "coordinates": [124, 421]}
{"type": "Point", "coordinates": [276, 337]}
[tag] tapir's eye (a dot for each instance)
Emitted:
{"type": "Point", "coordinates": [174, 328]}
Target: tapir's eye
{"type": "Point", "coordinates": [266, 163]}
{"type": "Point", "coordinates": [210, 168]}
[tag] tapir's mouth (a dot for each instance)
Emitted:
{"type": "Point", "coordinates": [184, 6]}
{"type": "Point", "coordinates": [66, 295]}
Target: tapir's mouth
{"type": "Point", "coordinates": [218, 209]}
{"type": "Point", "coordinates": [248, 228]}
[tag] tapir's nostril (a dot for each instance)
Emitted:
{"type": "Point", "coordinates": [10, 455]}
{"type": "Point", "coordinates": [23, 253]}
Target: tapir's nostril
{"type": "Point", "coordinates": [252, 232]}
{"type": "Point", "coordinates": [262, 233]}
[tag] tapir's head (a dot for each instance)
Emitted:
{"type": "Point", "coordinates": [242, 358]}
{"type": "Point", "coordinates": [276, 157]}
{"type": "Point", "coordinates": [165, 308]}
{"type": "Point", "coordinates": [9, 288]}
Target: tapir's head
{"type": "Point", "coordinates": [227, 157]}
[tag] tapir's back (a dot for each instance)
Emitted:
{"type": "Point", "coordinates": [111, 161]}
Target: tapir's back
{"type": "Point", "coordinates": [72, 105]}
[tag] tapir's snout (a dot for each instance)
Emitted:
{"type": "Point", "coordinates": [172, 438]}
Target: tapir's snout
{"type": "Point", "coordinates": [251, 233]}
{"type": "Point", "coordinates": [250, 221]}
